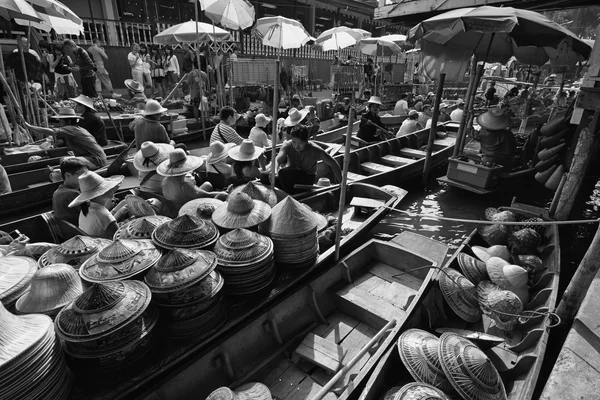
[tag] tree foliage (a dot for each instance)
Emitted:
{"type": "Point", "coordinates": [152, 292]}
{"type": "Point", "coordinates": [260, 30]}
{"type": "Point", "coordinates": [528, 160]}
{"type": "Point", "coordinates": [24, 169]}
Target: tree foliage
{"type": "Point", "coordinates": [583, 21]}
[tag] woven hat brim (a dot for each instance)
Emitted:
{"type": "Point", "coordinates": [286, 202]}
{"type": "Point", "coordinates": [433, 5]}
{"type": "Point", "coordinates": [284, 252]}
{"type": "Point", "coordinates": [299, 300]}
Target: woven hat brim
{"type": "Point", "coordinates": [191, 164]}
{"type": "Point", "coordinates": [139, 207]}
{"type": "Point", "coordinates": [223, 218]}
{"type": "Point", "coordinates": [66, 117]}
{"type": "Point", "coordinates": [494, 123]}
{"type": "Point", "coordinates": [163, 154]}
{"type": "Point", "coordinates": [90, 106]}
{"type": "Point", "coordinates": [108, 184]}
{"type": "Point", "coordinates": [191, 207]}
{"type": "Point", "coordinates": [27, 304]}
{"type": "Point", "coordinates": [128, 86]}
{"type": "Point", "coordinates": [235, 154]}
{"type": "Point", "coordinates": [159, 111]}
{"type": "Point", "coordinates": [288, 121]}
{"type": "Point", "coordinates": [212, 159]}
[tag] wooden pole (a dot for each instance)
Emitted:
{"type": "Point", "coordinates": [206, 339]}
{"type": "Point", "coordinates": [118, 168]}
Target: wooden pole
{"type": "Point", "coordinates": [344, 183]}
{"type": "Point", "coordinates": [174, 89]}
{"type": "Point", "coordinates": [433, 130]}
{"type": "Point", "coordinates": [36, 108]}
{"type": "Point", "coordinates": [112, 121]}
{"type": "Point", "coordinates": [581, 281]}
{"type": "Point", "coordinates": [470, 111]}
{"type": "Point", "coordinates": [463, 120]}
{"type": "Point", "coordinates": [27, 94]}
{"type": "Point", "coordinates": [523, 125]}
{"type": "Point", "coordinates": [200, 71]}
{"type": "Point", "coordinates": [275, 114]}
{"type": "Point", "coordinates": [5, 124]}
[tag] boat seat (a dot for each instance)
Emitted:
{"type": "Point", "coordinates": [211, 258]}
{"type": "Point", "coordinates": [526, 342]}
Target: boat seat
{"type": "Point", "coordinates": [412, 153]}
{"type": "Point", "coordinates": [396, 161]}
{"type": "Point", "coordinates": [68, 230]}
{"type": "Point", "coordinates": [355, 177]}
{"type": "Point", "coordinates": [53, 226]}
{"type": "Point", "coordinates": [371, 168]}
{"type": "Point", "coordinates": [321, 352]}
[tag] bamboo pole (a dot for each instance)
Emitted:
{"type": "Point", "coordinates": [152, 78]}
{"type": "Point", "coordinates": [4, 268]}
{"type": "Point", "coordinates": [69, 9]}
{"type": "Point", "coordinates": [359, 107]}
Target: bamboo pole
{"type": "Point", "coordinates": [27, 94]}
{"type": "Point", "coordinates": [344, 183]}
{"type": "Point", "coordinates": [174, 89]}
{"type": "Point", "coordinates": [11, 96]}
{"type": "Point", "coordinates": [5, 124]}
{"type": "Point", "coordinates": [200, 71]}
{"type": "Point", "coordinates": [471, 112]}
{"type": "Point", "coordinates": [275, 114]}
{"type": "Point", "coordinates": [433, 129]}
{"type": "Point", "coordinates": [112, 121]}
{"type": "Point", "coordinates": [463, 120]}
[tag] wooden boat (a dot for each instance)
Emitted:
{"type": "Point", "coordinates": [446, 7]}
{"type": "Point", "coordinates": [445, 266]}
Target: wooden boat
{"type": "Point", "coordinates": [518, 357]}
{"type": "Point", "coordinates": [247, 315]}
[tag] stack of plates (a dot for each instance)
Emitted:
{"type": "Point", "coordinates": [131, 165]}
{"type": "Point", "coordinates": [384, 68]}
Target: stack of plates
{"type": "Point", "coordinates": [31, 361]}
{"type": "Point", "coordinates": [293, 229]}
{"type": "Point", "coordinates": [108, 328]}
{"type": "Point", "coordinates": [15, 275]}
{"type": "Point", "coordinates": [187, 289]}
{"type": "Point", "coordinates": [122, 259]}
{"type": "Point", "coordinates": [186, 232]}
{"type": "Point", "coordinates": [74, 251]}
{"type": "Point", "coordinates": [245, 259]}
{"type": "Point", "coordinates": [140, 228]}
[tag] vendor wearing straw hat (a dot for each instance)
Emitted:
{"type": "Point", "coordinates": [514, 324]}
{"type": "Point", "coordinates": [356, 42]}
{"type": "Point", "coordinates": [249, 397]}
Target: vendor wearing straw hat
{"type": "Point", "coordinates": [136, 92]}
{"type": "Point", "coordinates": [498, 143]}
{"type": "Point", "coordinates": [79, 141]}
{"type": "Point", "coordinates": [257, 133]}
{"type": "Point", "coordinates": [371, 129]}
{"type": "Point", "coordinates": [148, 128]}
{"type": "Point", "coordinates": [95, 200]}
{"type": "Point", "coordinates": [248, 161]}
{"type": "Point", "coordinates": [302, 157]}
{"type": "Point", "coordinates": [146, 160]}
{"type": "Point", "coordinates": [90, 122]}
{"type": "Point", "coordinates": [178, 189]}
{"type": "Point", "coordinates": [217, 161]}
{"type": "Point", "coordinates": [294, 118]}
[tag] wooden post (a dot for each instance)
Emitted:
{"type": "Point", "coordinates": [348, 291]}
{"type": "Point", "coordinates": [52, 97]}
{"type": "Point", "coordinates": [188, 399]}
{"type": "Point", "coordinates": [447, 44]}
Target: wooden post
{"type": "Point", "coordinates": [275, 114]}
{"type": "Point", "coordinates": [344, 183]}
{"type": "Point", "coordinates": [523, 125]}
{"type": "Point", "coordinates": [27, 99]}
{"type": "Point", "coordinates": [433, 129]}
{"type": "Point", "coordinates": [463, 120]}
{"type": "Point", "coordinates": [200, 74]}
{"type": "Point", "coordinates": [5, 124]}
{"type": "Point", "coordinates": [581, 281]}
{"type": "Point", "coordinates": [470, 113]}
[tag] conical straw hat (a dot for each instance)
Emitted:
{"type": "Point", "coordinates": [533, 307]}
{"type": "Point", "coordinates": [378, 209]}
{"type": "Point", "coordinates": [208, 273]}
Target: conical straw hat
{"type": "Point", "coordinates": [241, 211]}
{"type": "Point", "coordinates": [290, 217]}
{"type": "Point", "coordinates": [201, 208]}
{"type": "Point", "coordinates": [15, 275]}
{"type": "Point", "coordinates": [493, 298]}
{"type": "Point", "coordinates": [52, 288]}
{"type": "Point", "coordinates": [257, 191]}
{"type": "Point", "coordinates": [254, 391]}
{"type": "Point", "coordinates": [86, 318]}
{"type": "Point", "coordinates": [460, 294]}
{"type": "Point", "coordinates": [74, 251]}
{"type": "Point", "coordinates": [140, 228]}
{"type": "Point", "coordinates": [242, 246]}
{"type": "Point", "coordinates": [469, 370]}
{"type": "Point", "coordinates": [472, 268]}
{"type": "Point", "coordinates": [179, 269]}
{"type": "Point", "coordinates": [420, 391]}
{"type": "Point", "coordinates": [119, 260]}
{"type": "Point", "coordinates": [419, 353]}
{"type": "Point", "coordinates": [222, 393]}
{"type": "Point", "coordinates": [186, 232]}
{"type": "Point", "coordinates": [139, 207]}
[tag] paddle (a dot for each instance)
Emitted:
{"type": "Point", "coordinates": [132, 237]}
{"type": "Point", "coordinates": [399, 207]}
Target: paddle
{"type": "Point", "coordinates": [118, 129]}
{"type": "Point", "coordinates": [115, 166]}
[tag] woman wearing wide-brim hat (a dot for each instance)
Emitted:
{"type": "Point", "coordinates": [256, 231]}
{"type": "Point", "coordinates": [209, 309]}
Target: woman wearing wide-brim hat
{"type": "Point", "coordinates": [371, 128]}
{"type": "Point", "coordinates": [294, 118]}
{"type": "Point", "coordinates": [95, 218]}
{"type": "Point", "coordinates": [497, 141]}
{"type": "Point", "coordinates": [217, 159]}
{"type": "Point", "coordinates": [146, 160]}
{"type": "Point", "coordinates": [176, 188]}
{"type": "Point", "coordinates": [148, 128]}
{"type": "Point", "coordinates": [248, 161]}
{"type": "Point", "coordinates": [136, 91]}
{"type": "Point", "coordinates": [91, 121]}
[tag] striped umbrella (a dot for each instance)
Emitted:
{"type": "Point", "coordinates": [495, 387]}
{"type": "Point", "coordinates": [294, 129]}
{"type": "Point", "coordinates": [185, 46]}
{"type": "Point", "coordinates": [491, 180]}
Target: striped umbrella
{"type": "Point", "coordinates": [281, 33]}
{"type": "Point", "coordinates": [232, 14]}
{"type": "Point", "coordinates": [12, 9]}
{"type": "Point", "coordinates": [55, 16]}
{"type": "Point", "coordinates": [374, 46]}
{"type": "Point", "coordinates": [187, 33]}
{"type": "Point", "coordinates": [338, 38]}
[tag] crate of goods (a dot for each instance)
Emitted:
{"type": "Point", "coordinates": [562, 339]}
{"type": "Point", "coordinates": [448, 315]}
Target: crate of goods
{"type": "Point", "coordinates": [310, 101]}
{"type": "Point", "coordinates": [179, 126]}
{"type": "Point", "coordinates": [253, 72]}
{"type": "Point", "coordinates": [473, 174]}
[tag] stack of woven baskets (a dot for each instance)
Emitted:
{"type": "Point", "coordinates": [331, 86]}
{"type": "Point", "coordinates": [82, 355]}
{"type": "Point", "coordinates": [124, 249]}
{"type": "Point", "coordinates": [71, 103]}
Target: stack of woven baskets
{"type": "Point", "coordinates": [293, 229]}
{"type": "Point", "coordinates": [187, 289]}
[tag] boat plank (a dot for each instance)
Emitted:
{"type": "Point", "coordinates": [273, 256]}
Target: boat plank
{"type": "Point", "coordinates": [321, 352]}
{"type": "Point", "coordinates": [412, 153]}
{"type": "Point", "coordinates": [399, 295]}
{"type": "Point", "coordinates": [274, 374]}
{"type": "Point", "coordinates": [371, 168]}
{"type": "Point", "coordinates": [366, 306]}
{"type": "Point", "coordinates": [396, 161]}
{"type": "Point", "coordinates": [355, 177]}
{"type": "Point", "coordinates": [307, 389]}
{"type": "Point", "coordinates": [391, 274]}
{"type": "Point", "coordinates": [287, 381]}
{"type": "Point", "coordinates": [340, 325]}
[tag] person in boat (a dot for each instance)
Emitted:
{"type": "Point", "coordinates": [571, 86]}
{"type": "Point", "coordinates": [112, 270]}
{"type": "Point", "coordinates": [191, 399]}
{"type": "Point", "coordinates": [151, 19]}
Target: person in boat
{"type": "Point", "coordinates": [301, 157]}
{"type": "Point", "coordinates": [294, 119]}
{"type": "Point", "coordinates": [217, 160]}
{"type": "Point", "coordinates": [490, 93]}
{"type": "Point", "coordinates": [444, 116]}
{"type": "Point", "coordinates": [5, 187]}
{"type": "Point", "coordinates": [79, 140]}
{"type": "Point", "coordinates": [401, 107]}
{"type": "Point", "coordinates": [418, 105]}
{"type": "Point", "coordinates": [136, 92]}
{"type": "Point", "coordinates": [371, 129]}
{"type": "Point", "coordinates": [71, 168]}
{"type": "Point", "coordinates": [146, 160]}
{"type": "Point", "coordinates": [429, 99]}
{"type": "Point", "coordinates": [179, 189]}
{"type": "Point", "coordinates": [96, 201]}
{"type": "Point", "coordinates": [457, 114]}
{"type": "Point", "coordinates": [312, 122]}
{"type": "Point", "coordinates": [224, 131]}
{"type": "Point", "coordinates": [91, 122]}
{"type": "Point", "coordinates": [342, 112]}
{"type": "Point", "coordinates": [410, 124]}
{"type": "Point", "coordinates": [257, 134]}
{"type": "Point", "coordinates": [21, 246]}
{"type": "Point", "coordinates": [425, 115]}
{"type": "Point", "coordinates": [148, 128]}
{"type": "Point", "coordinates": [248, 161]}
{"type": "Point", "coordinates": [497, 141]}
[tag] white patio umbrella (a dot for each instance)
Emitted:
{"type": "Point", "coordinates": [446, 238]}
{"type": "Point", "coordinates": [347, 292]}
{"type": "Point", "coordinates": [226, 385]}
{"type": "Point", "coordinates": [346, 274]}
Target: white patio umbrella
{"type": "Point", "coordinates": [398, 39]}
{"type": "Point", "coordinates": [375, 46]}
{"type": "Point", "coordinates": [232, 14]}
{"type": "Point", "coordinates": [365, 34]}
{"type": "Point", "coordinates": [55, 16]}
{"type": "Point", "coordinates": [338, 38]}
{"type": "Point", "coordinates": [187, 33]}
{"type": "Point", "coordinates": [13, 9]}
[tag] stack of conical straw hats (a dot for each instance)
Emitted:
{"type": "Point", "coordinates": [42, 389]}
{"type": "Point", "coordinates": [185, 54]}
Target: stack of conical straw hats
{"type": "Point", "coordinates": [241, 211]}
{"type": "Point", "coordinates": [186, 232]}
{"type": "Point", "coordinates": [74, 251]}
{"type": "Point", "coordinates": [201, 208]}
{"type": "Point", "coordinates": [122, 259]}
{"type": "Point", "coordinates": [187, 289]}
{"type": "Point", "coordinates": [52, 288]}
{"type": "Point", "coordinates": [108, 328]}
{"type": "Point", "coordinates": [460, 294]}
{"type": "Point", "coordinates": [258, 191]}
{"type": "Point", "coordinates": [245, 259]}
{"type": "Point", "coordinates": [15, 275]}
{"type": "Point", "coordinates": [140, 228]}
{"type": "Point", "coordinates": [31, 360]}
{"type": "Point", "coordinates": [293, 229]}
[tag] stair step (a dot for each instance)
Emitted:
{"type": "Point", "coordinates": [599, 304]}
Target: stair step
{"type": "Point", "coordinates": [372, 168]}
{"type": "Point", "coordinates": [355, 177]}
{"type": "Point", "coordinates": [412, 153]}
{"type": "Point", "coordinates": [396, 161]}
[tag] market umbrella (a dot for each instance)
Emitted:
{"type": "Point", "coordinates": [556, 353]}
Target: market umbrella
{"type": "Point", "coordinates": [400, 40]}
{"type": "Point", "coordinates": [374, 46]}
{"type": "Point", "coordinates": [365, 34]}
{"type": "Point", "coordinates": [12, 9]}
{"type": "Point", "coordinates": [232, 14]}
{"type": "Point", "coordinates": [338, 38]}
{"type": "Point", "coordinates": [55, 16]}
{"type": "Point", "coordinates": [281, 33]}
{"type": "Point", "coordinates": [186, 32]}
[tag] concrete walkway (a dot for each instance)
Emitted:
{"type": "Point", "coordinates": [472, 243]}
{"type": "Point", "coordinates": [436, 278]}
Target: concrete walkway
{"type": "Point", "coordinates": [576, 374]}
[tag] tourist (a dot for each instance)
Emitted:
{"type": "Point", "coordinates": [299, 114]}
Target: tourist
{"type": "Point", "coordinates": [425, 115]}
{"type": "Point", "coordinates": [96, 200]}
{"type": "Point", "coordinates": [148, 128]}
{"type": "Point", "coordinates": [136, 63]}
{"type": "Point", "coordinates": [91, 122]}
{"type": "Point", "coordinates": [368, 72]}
{"type": "Point", "coordinates": [301, 157]}
{"type": "Point", "coordinates": [217, 159]}
{"type": "Point", "coordinates": [27, 49]}
{"type": "Point", "coordinates": [371, 129]}
{"type": "Point", "coordinates": [146, 160]}
{"type": "Point", "coordinates": [490, 94]}
{"type": "Point", "coordinates": [172, 70]}
{"type": "Point", "coordinates": [65, 85]}
{"type": "Point", "coordinates": [71, 168]}
{"type": "Point", "coordinates": [401, 107]}
{"type": "Point", "coordinates": [5, 187]}
{"type": "Point", "coordinates": [189, 62]}
{"type": "Point", "coordinates": [257, 134]}
{"type": "Point", "coordinates": [102, 77]}
{"type": "Point", "coordinates": [497, 141]}
{"type": "Point", "coordinates": [224, 131]}
{"type": "Point", "coordinates": [342, 112]}
{"type": "Point", "coordinates": [176, 188]}
{"type": "Point", "coordinates": [157, 70]}
{"type": "Point", "coordinates": [136, 93]}
{"type": "Point", "coordinates": [196, 94]}
{"type": "Point", "coordinates": [145, 57]}
{"type": "Point", "coordinates": [79, 141]}
{"type": "Point", "coordinates": [410, 124]}
{"type": "Point", "coordinates": [457, 114]}
{"type": "Point", "coordinates": [86, 67]}
{"type": "Point", "coordinates": [47, 58]}
{"type": "Point", "coordinates": [444, 116]}
{"type": "Point", "coordinates": [248, 161]}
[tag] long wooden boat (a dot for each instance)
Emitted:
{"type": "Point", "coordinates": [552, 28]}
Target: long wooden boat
{"type": "Point", "coordinates": [519, 355]}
